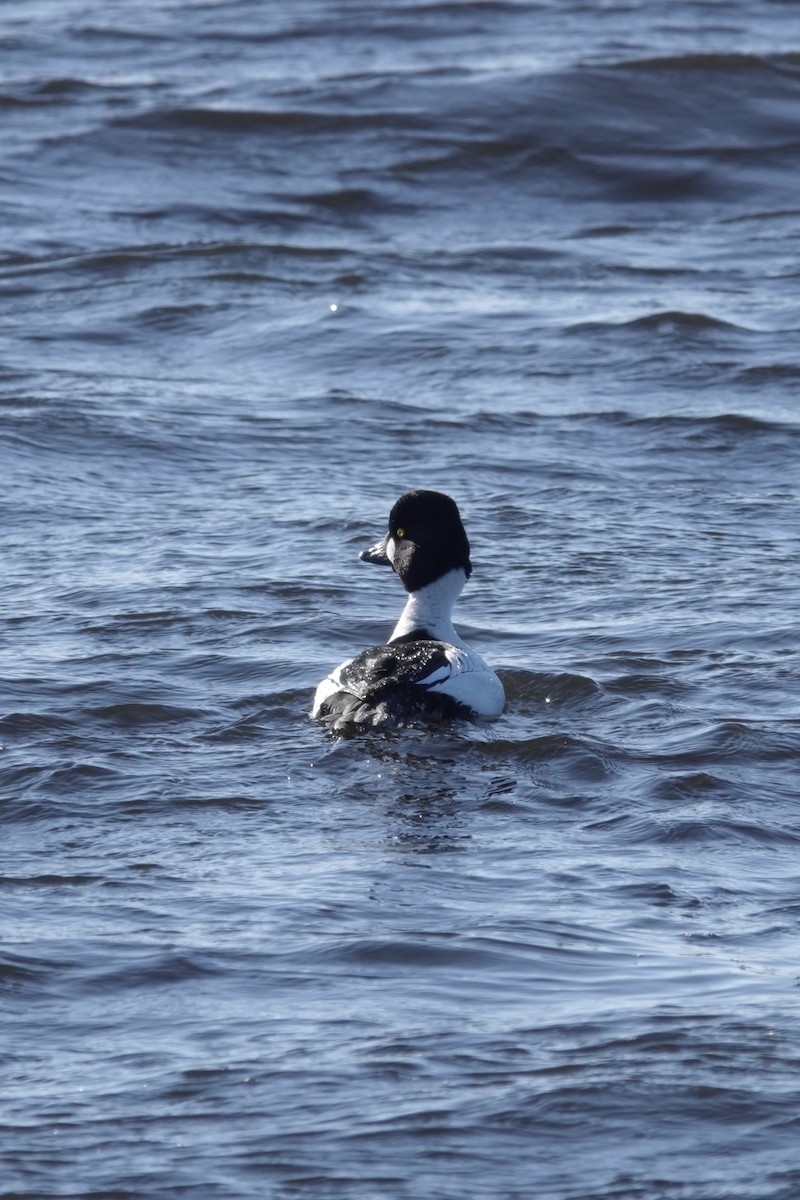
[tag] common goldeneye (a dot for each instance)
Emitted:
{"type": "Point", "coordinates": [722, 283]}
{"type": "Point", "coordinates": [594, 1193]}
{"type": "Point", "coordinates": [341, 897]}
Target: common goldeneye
{"type": "Point", "coordinates": [425, 671]}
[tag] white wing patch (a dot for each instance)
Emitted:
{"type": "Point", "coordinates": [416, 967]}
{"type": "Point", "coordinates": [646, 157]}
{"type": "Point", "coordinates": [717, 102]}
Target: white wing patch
{"type": "Point", "coordinates": [469, 681]}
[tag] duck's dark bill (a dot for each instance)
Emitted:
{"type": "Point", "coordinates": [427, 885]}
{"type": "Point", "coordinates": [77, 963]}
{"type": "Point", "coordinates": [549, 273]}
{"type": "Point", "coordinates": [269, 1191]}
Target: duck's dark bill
{"type": "Point", "coordinates": [376, 554]}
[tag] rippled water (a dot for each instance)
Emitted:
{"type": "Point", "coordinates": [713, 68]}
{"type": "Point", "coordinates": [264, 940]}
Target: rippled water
{"type": "Point", "coordinates": [262, 268]}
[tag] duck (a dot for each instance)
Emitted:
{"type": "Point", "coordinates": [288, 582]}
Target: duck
{"type": "Point", "coordinates": [425, 672]}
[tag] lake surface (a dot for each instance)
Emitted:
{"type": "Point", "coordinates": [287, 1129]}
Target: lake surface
{"type": "Point", "coordinates": [263, 267]}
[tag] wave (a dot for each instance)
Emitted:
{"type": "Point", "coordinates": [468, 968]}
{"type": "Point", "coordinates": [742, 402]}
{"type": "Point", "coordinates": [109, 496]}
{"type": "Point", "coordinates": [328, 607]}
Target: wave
{"type": "Point", "coordinates": [308, 120]}
{"type": "Point", "coordinates": [131, 715]}
{"type": "Point", "coordinates": [736, 424]}
{"type": "Point", "coordinates": [712, 829]}
{"type": "Point", "coordinates": [769, 373]}
{"type": "Point", "coordinates": [676, 321]}
{"type": "Point", "coordinates": [35, 722]}
{"type": "Point", "coordinates": [558, 688]}
{"type": "Point", "coordinates": [713, 62]}
{"type": "Point", "coordinates": [21, 973]}
{"type": "Point", "coordinates": [528, 421]}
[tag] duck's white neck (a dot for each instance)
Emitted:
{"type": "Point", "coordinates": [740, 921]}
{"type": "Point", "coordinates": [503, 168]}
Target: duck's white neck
{"type": "Point", "coordinates": [430, 609]}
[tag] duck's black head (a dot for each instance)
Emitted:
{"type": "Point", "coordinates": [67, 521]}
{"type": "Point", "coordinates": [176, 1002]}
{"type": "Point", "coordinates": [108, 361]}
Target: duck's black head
{"type": "Point", "coordinates": [425, 540]}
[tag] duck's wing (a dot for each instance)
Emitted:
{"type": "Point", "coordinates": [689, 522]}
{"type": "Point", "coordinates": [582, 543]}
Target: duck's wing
{"type": "Point", "coordinates": [396, 684]}
{"type": "Point", "coordinates": [406, 681]}
{"type": "Point", "coordinates": [421, 663]}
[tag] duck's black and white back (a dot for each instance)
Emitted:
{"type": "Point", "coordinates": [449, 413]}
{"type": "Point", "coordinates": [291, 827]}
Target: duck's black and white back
{"type": "Point", "coordinates": [425, 672]}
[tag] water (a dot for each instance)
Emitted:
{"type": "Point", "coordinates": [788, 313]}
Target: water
{"type": "Point", "coordinates": [263, 268]}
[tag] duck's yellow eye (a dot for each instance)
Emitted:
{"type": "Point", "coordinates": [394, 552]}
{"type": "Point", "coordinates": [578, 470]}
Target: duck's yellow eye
{"type": "Point", "coordinates": [401, 533]}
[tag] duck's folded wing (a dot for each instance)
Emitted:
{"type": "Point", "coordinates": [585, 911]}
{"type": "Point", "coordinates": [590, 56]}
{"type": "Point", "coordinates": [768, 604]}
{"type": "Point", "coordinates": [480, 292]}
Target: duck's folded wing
{"type": "Point", "coordinates": [421, 664]}
{"type": "Point", "coordinates": [410, 679]}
